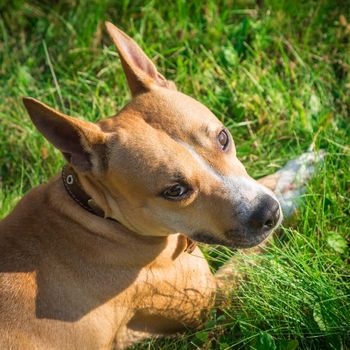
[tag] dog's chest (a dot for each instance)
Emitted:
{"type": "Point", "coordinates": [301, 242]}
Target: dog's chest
{"type": "Point", "coordinates": [177, 290]}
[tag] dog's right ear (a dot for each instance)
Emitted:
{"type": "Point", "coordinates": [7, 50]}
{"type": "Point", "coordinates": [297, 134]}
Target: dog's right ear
{"type": "Point", "coordinates": [76, 139]}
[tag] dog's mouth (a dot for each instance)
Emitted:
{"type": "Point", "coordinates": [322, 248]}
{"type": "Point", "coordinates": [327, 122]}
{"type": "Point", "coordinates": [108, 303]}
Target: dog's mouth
{"type": "Point", "coordinates": [233, 238]}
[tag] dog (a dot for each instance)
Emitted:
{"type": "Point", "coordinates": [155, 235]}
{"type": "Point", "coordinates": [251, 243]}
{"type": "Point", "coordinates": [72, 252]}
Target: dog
{"type": "Point", "coordinates": [103, 255]}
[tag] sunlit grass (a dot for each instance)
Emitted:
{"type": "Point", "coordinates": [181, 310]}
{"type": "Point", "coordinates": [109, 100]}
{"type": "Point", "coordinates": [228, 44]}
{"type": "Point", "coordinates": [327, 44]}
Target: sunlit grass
{"type": "Point", "coordinates": [278, 76]}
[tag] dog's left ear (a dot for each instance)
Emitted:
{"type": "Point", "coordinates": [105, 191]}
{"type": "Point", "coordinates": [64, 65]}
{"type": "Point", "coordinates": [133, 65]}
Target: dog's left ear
{"type": "Point", "coordinates": [140, 71]}
{"type": "Point", "coordinates": [79, 141]}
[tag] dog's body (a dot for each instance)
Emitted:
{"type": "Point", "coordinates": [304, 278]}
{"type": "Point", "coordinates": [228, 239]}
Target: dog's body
{"type": "Point", "coordinates": [70, 279]}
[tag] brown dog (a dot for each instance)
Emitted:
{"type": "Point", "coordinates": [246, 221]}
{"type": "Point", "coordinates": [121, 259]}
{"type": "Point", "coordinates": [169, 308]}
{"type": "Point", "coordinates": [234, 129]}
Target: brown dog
{"type": "Point", "coordinates": [94, 258]}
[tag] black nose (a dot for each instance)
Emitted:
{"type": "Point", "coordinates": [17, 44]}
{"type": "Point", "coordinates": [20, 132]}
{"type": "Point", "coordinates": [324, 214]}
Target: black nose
{"type": "Point", "coordinates": [265, 215]}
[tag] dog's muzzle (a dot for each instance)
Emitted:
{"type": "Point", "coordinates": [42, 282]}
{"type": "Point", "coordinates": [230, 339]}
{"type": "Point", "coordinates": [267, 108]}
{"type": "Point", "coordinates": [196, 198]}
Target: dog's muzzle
{"type": "Point", "coordinates": [265, 216]}
{"type": "Point", "coordinates": [255, 228]}
{"type": "Point", "coordinates": [251, 230]}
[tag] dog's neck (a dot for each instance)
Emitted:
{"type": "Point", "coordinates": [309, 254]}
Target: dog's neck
{"type": "Point", "coordinates": [91, 195]}
{"type": "Point", "coordinates": [113, 231]}
{"type": "Point", "coordinates": [63, 203]}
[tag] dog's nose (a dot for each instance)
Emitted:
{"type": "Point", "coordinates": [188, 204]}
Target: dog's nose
{"type": "Point", "coordinates": [265, 216]}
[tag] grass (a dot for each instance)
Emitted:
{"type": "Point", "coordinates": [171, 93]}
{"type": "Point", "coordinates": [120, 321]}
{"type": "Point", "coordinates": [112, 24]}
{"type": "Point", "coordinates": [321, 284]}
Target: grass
{"type": "Point", "coordinates": [278, 75]}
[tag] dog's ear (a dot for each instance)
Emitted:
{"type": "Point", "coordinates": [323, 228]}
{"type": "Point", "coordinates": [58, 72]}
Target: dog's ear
{"type": "Point", "coordinates": [140, 71]}
{"type": "Point", "coordinates": [76, 139]}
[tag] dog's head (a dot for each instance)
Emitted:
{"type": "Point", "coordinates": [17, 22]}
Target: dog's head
{"type": "Point", "coordinates": [164, 164]}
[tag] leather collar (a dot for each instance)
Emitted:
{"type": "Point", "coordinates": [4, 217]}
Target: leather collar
{"type": "Point", "coordinates": [73, 187]}
{"type": "Point", "coordinates": [75, 190]}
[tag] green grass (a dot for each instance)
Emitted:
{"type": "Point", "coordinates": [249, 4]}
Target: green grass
{"type": "Point", "coordinates": [277, 75]}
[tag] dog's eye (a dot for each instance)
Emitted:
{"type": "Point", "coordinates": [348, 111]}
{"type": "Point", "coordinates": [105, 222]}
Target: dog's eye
{"type": "Point", "coordinates": [223, 139]}
{"type": "Point", "coordinates": [176, 192]}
